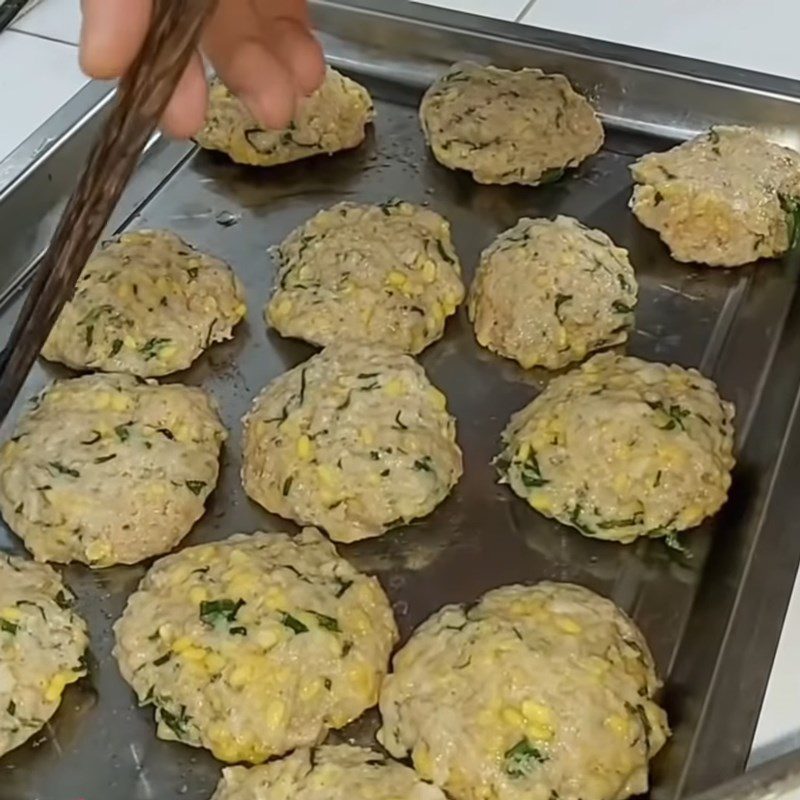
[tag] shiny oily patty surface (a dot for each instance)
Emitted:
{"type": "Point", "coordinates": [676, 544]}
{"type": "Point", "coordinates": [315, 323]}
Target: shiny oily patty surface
{"type": "Point", "coordinates": [356, 440]}
{"type": "Point", "coordinates": [530, 692]}
{"type": "Point", "coordinates": [621, 448]}
{"type": "Point", "coordinates": [110, 469]}
{"type": "Point", "coordinates": [256, 645]}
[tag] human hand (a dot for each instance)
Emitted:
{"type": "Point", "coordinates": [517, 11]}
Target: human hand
{"type": "Point", "coordinates": [263, 50]}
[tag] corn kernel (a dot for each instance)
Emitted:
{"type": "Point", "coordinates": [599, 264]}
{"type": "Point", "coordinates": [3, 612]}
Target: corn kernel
{"type": "Point", "coordinates": [396, 279]}
{"type": "Point", "coordinates": [119, 402]}
{"type": "Point", "coordinates": [536, 712]}
{"type": "Point", "coordinates": [429, 272]}
{"type": "Point", "coordinates": [310, 689]}
{"type": "Point", "coordinates": [395, 388]}
{"type": "Point", "coordinates": [274, 599]}
{"type": "Point", "coordinates": [422, 761]}
{"type": "Point", "coordinates": [513, 717]}
{"type": "Point", "coordinates": [275, 714]}
{"type": "Point", "coordinates": [567, 624]}
{"type": "Point", "coordinates": [304, 448]}
{"type": "Point", "coordinates": [10, 614]}
{"type": "Point", "coordinates": [328, 475]}
{"type": "Point", "coordinates": [214, 662]}
{"type": "Point", "coordinates": [439, 400]}
{"type": "Point", "coordinates": [267, 638]}
{"type": "Point", "coordinates": [283, 308]}
{"type": "Point", "coordinates": [56, 686]}
{"type": "Point", "coordinates": [168, 352]}
{"type": "Point", "coordinates": [130, 342]}
{"type": "Point", "coordinates": [98, 551]}
{"type": "Point", "coordinates": [193, 653]}
{"type": "Point", "coordinates": [180, 644]}
{"type": "Point", "coordinates": [524, 451]}
{"type": "Point", "coordinates": [240, 676]}
{"type": "Point", "coordinates": [541, 733]}
{"type": "Point", "coordinates": [367, 436]}
{"type": "Point", "coordinates": [618, 724]}
{"type": "Point", "coordinates": [197, 594]}
{"type": "Point", "coordinates": [541, 502]}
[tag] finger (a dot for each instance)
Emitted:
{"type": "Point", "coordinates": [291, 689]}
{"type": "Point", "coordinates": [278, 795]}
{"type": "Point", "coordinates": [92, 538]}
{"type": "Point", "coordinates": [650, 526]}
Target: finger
{"type": "Point", "coordinates": [295, 46]}
{"type": "Point", "coordinates": [111, 34]}
{"type": "Point", "coordinates": [186, 110]}
{"type": "Point", "coordinates": [234, 44]}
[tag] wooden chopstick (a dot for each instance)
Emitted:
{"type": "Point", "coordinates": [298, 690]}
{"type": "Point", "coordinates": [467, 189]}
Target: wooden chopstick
{"type": "Point", "coordinates": [142, 96]}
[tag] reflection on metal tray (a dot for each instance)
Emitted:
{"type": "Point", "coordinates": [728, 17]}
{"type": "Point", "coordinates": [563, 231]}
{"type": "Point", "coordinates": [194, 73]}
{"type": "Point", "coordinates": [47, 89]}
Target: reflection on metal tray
{"type": "Point", "coordinates": [712, 619]}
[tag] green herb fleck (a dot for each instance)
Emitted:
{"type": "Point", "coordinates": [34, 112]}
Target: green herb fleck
{"type": "Point", "coordinates": [95, 438]}
{"type": "Point", "coordinates": [292, 622]}
{"type": "Point", "coordinates": [791, 207]}
{"type": "Point", "coordinates": [159, 662]}
{"type": "Point", "coordinates": [551, 176]}
{"type": "Point", "coordinates": [123, 431]}
{"type": "Point", "coordinates": [59, 467]}
{"type": "Point", "coordinates": [192, 272]}
{"type": "Point", "coordinates": [152, 347]}
{"type": "Point", "coordinates": [8, 627]}
{"type": "Point", "coordinates": [238, 630]}
{"type": "Point", "coordinates": [218, 612]}
{"type": "Point", "coordinates": [530, 473]}
{"type": "Point", "coordinates": [89, 336]}
{"type": "Point", "coordinates": [326, 622]}
{"type": "Point", "coordinates": [195, 487]}
{"type": "Point", "coordinates": [399, 423]}
{"type": "Point", "coordinates": [423, 464]}
{"type": "Point", "coordinates": [443, 252]}
{"type": "Point", "coordinates": [116, 346]}
{"type": "Point", "coordinates": [11, 707]}
{"type": "Point", "coordinates": [166, 433]}
{"type": "Point", "coordinates": [287, 485]}
{"type": "Point", "coordinates": [673, 542]}
{"type": "Point", "coordinates": [522, 759]}
{"type": "Point", "coordinates": [343, 586]}
{"type": "Point", "coordinates": [175, 722]}
{"type": "Point", "coordinates": [105, 459]}
{"type": "Point", "coordinates": [560, 300]}
{"type": "Point", "coordinates": [63, 599]}
{"type": "Point", "coordinates": [621, 308]}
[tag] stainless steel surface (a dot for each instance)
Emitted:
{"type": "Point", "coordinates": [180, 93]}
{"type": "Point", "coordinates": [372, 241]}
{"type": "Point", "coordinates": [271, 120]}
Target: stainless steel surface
{"type": "Point", "coordinates": [712, 619]}
{"type": "Point", "coordinates": [778, 779]}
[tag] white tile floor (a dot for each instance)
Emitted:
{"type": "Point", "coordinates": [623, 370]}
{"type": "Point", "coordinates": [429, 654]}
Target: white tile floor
{"type": "Point", "coordinates": [37, 78]}
{"type": "Point", "coordinates": [40, 73]}
{"type": "Point", "coordinates": [741, 33]}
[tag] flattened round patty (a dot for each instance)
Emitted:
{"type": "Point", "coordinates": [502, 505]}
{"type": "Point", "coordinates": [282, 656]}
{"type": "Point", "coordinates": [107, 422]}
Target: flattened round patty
{"type": "Point", "coordinates": [726, 198]}
{"type": "Point", "coordinates": [146, 303]}
{"type": "Point", "coordinates": [334, 118]}
{"type": "Point", "coordinates": [548, 292]}
{"type": "Point", "coordinates": [533, 692]}
{"type": "Point", "coordinates": [622, 448]}
{"type": "Point", "coordinates": [256, 645]}
{"type": "Point", "coordinates": [507, 126]}
{"type": "Point", "coordinates": [333, 772]}
{"type": "Point", "coordinates": [385, 274]}
{"type": "Point", "coordinates": [355, 440]}
{"type": "Point", "coordinates": [110, 469]}
{"type": "Point", "coordinates": [42, 642]}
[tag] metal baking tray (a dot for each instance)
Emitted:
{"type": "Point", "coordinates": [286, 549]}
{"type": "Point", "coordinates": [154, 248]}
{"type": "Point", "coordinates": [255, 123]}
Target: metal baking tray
{"type": "Point", "coordinates": [712, 616]}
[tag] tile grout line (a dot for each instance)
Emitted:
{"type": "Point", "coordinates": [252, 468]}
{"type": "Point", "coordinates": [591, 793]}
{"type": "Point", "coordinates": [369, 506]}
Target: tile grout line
{"type": "Point", "coordinates": [525, 11]}
{"type": "Point", "coordinates": [42, 36]}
